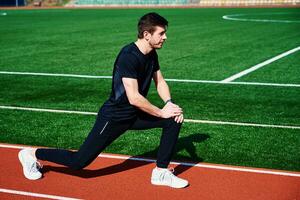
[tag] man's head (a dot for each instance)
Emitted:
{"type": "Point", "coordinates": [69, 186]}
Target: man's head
{"type": "Point", "coordinates": [152, 27]}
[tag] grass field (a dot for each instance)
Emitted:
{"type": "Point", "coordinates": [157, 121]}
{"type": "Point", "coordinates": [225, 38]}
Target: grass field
{"type": "Point", "coordinates": [201, 45]}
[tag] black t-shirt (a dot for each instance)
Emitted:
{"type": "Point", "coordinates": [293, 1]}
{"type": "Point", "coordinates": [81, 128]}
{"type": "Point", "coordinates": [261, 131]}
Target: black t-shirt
{"type": "Point", "coordinates": [130, 63]}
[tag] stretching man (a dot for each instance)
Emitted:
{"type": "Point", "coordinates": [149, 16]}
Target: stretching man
{"type": "Point", "coordinates": [127, 109]}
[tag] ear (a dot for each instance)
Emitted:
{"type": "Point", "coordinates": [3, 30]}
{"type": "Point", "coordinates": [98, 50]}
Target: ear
{"type": "Point", "coordinates": [147, 35]}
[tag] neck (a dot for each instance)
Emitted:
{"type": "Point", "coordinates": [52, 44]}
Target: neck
{"type": "Point", "coordinates": [143, 46]}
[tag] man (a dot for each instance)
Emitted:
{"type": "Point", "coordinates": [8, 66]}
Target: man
{"type": "Point", "coordinates": [127, 109]}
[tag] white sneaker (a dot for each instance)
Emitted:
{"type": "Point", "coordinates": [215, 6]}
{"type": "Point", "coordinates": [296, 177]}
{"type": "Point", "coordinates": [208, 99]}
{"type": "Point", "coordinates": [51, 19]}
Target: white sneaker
{"type": "Point", "coordinates": [30, 165]}
{"type": "Point", "coordinates": [167, 178]}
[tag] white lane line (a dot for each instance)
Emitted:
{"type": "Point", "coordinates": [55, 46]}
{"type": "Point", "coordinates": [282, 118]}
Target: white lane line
{"type": "Point", "coordinates": [169, 80]}
{"type": "Point", "coordinates": [186, 120]}
{"type": "Point", "coordinates": [206, 165]}
{"type": "Point", "coordinates": [17, 192]}
{"type": "Point", "coordinates": [251, 69]}
{"type": "Point", "coordinates": [203, 165]}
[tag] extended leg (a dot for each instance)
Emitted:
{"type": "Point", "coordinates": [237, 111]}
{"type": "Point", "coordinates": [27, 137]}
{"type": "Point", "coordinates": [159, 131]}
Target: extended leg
{"type": "Point", "coordinates": [103, 133]}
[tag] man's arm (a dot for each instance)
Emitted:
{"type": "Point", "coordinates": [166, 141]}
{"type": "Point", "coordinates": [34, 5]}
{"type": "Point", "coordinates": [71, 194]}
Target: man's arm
{"type": "Point", "coordinates": [164, 92]}
{"type": "Point", "coordinates": [137, 100]}
{"type": "Point", "coordinates": [161, 86]}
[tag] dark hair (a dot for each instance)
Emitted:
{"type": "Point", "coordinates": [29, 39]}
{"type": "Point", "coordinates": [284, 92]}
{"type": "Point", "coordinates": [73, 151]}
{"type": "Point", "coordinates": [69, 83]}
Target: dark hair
{"type": "Point", "coordinates": [148, 23]}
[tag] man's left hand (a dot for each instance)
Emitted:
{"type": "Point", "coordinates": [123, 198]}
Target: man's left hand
{"type": "Point", "coordinates": [179, 118]}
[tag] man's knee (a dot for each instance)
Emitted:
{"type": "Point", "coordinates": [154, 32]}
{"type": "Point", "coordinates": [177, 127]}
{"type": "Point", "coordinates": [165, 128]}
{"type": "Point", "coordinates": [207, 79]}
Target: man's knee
{"type": "Point", "coordinates": [171, 122]}
{"type": "Point", "coordinates": [172, 126]}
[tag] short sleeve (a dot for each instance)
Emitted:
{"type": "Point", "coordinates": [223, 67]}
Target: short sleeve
{"type": "Point", "coordinates": [127, 66]}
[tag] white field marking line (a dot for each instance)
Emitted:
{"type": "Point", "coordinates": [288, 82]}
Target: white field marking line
{"type": "Point", "coordinates": [35, 194]}
{"type": "Point", "coordinates": [241, 124]}
{"type": "Point", "coordinates": [56, 75]}
{"type": "Point", "coordinates": [233, 18]}
{"type": "Point", "coordinates": [262, 84]}
{"type": "Point", "coordinates": [204, 165]}
{"type": "Point", "coordinates": [255, 67]}
{"type": "Point", "coordinates": [169, 80]}
{"type": "Point", "coordinates": [186, 120]}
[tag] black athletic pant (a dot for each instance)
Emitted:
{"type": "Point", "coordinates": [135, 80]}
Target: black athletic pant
{"type": "Point", "coordinates": [105, 132]}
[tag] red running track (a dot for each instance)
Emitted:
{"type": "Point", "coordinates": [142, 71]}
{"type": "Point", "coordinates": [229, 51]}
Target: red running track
{"type": "Point", "coordinates": [110, 178]}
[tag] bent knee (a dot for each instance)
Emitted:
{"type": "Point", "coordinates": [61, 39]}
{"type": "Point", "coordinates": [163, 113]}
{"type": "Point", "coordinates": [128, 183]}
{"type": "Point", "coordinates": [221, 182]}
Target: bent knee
{"type": "Point", "coordinates": [171, 122]}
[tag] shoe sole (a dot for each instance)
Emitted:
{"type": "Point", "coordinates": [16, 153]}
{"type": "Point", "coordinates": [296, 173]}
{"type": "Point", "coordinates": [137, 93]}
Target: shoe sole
{"type": "Point", "coordinates": [24, 171]}
{"type": "Point", "coordinates": [172, 186]}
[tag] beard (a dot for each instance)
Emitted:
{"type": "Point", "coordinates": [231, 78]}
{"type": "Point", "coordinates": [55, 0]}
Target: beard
{"type": "Point", "coordinates": [157, 45]}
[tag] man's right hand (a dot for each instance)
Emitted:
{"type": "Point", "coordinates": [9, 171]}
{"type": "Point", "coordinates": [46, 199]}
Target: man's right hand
{"type": "Point", "coordinates": [171, 110]}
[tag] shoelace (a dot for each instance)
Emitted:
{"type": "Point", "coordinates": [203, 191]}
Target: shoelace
{"type": "Point", "coordinates": [166, 172]}
{"type": "Point", "coordinates": [35, 167]}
